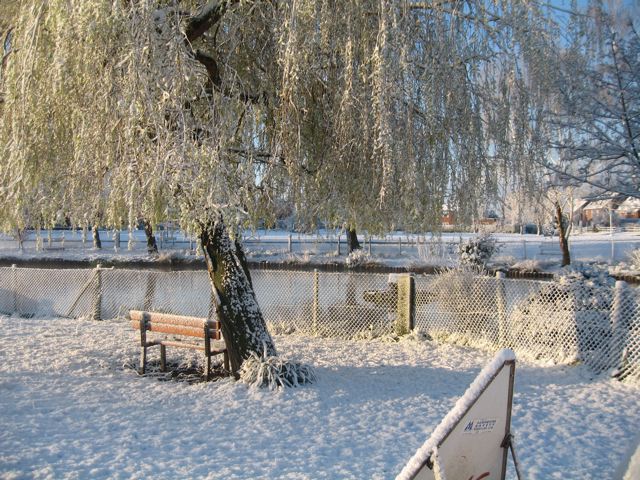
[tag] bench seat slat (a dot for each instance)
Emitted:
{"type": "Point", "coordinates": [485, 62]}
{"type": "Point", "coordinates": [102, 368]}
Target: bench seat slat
{"type": "Point", "coordinates": [176, 330]}
{"type": "Point", "coordinates": [192, 346]}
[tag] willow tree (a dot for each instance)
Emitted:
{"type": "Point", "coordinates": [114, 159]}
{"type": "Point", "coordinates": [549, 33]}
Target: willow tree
{"type": "Point", "coordinates": [113, 109]}
{"type": "Point", "coordinates": [424, 103]}
{"type": "Point", "coordinates": [368, 112]}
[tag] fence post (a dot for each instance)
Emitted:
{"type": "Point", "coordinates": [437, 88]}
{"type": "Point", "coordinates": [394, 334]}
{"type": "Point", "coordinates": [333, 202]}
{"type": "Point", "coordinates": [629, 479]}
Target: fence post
{"type": "Point", "coordinates": [613, 250]}
{"type": "Point", "coordinates": [14, 281]}
{"type": "Point", "coordinates": [339, 245]}
{"type": "Point", "coordinates": [524, 247]}
{"type": "Point", "coordinates": [400, 245]}
{"type": "Point", "coordinates": [369, 244]}
{"type": "Point", "coordinates": [406, 305]}
{"type": "Point", "coordinates": [97, 294]}
{"type": "Point", "coordinates": [116, 241]}
{"type": "Point", "coordinates": [501, 303]}
{"type": "Point", "coordinates": [316, 301]}
{"type": "Point", "coordinates": [290, 249]}
{"type": "Point", "coordinates": [620, 323]}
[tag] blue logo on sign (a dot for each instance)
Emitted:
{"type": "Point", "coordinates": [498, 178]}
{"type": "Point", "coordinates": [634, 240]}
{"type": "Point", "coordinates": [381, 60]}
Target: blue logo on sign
{"type": "Point", "coordinates": [469, 427]}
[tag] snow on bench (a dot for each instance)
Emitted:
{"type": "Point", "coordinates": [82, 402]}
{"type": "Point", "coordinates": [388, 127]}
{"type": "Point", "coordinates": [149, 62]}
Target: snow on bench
{"type": "Point", "coordinates": [165, 327]}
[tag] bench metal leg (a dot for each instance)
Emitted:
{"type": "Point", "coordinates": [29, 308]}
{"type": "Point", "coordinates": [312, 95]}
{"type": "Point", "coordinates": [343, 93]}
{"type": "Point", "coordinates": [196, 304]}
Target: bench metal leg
{"type": "Point", "coordinates": [226, 361]}
{"type": "Point", "coordinates": [163, 358]}
{"type": "Point", "coordinates": [207, 351]}
{"type": "Point", "coordinates": [143, 346]}
{"type": "Point", "coordinates": [143, 359]}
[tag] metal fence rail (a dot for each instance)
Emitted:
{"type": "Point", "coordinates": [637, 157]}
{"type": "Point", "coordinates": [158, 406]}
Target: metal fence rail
{"type": "Point", "coordinates": [433, 250]}
{"type": "Point", "coordinates": [562, 323]}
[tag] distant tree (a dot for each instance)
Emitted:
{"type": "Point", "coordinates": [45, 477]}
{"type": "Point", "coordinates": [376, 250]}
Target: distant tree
{"type": "Point", "coordinates": [596, 118]}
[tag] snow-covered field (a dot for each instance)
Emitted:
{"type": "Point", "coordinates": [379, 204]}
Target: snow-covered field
{"type": "Point", "coordinates": [397, 249]}
{"type": "Point", "coordinates": [71, 406]}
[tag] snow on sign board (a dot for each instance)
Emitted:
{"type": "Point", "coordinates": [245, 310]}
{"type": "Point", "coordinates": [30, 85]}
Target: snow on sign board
{"type": "Point", "coordinates": [468, 443]}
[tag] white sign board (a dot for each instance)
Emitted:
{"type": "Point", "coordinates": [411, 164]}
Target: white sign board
{"type": "Point", "coordinates": [469, 442]}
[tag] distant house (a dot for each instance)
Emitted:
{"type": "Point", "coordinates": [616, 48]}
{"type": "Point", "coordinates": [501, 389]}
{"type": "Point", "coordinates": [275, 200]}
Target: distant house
{"type": "Point", "coordinates": [629, 209]}
{"type": "Point", "coordinates": [602, 210]}
{"type": "Point", "coordinates": [488, 221]}
{"type": "Point", "coordinates": [448, 218]}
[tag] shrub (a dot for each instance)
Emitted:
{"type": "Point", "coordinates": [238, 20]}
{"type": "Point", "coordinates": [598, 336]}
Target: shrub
{"type": "Point", "coordinates": [275, 372]}
{"type": "Point", "coordinates": [477, 251]}
{"type": "Point", "coordinates": [358, 257]}
{"type": "Point", "coordinates": [634, 258]}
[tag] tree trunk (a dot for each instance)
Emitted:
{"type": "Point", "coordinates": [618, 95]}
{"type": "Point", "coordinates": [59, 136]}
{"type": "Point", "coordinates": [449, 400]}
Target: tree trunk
{"type": "Point", "coordinates": [152, 246]}
{"type": "Point", "coordinates": [352, 239]}
{"type": "Point", "coordinates": [97, 243]}
{"type": "Point", "coordinates": [562, 235]}
{"type": "Point", "coordinates": [242, 323]}
{"type": "Point", "coordinates": [243, 259]}
{"type": "Point", "coordinates": [20, 237]}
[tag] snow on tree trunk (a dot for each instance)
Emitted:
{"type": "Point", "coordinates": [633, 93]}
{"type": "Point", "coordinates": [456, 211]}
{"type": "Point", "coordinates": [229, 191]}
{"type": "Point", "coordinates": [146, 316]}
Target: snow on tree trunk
{"type": "Point", "coordinates": [152, 246]}
{"type": "Point", "coordinates": [97, 243]}
{"type": "Point", "coordinates": [242, 323]}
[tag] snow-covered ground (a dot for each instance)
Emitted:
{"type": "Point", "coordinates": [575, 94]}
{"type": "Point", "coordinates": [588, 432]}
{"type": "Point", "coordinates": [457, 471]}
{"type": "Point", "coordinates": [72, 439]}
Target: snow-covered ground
{"type": "Point", "coordinates": [71, 406]}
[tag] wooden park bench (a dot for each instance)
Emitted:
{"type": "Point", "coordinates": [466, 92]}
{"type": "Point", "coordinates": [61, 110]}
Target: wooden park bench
{"type": "Point", "coordinates": [166, 327]}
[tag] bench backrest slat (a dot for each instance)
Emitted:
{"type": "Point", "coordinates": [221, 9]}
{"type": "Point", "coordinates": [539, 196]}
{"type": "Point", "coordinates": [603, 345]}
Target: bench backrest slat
{"type": "Point", "coordinates": [172, 329]}
{"type": "Point", "coordinates": [174, 324]}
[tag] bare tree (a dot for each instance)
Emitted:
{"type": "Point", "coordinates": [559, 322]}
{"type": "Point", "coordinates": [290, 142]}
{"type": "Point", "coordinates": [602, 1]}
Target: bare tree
{"type": "Point", "coordinates": [597, 118]}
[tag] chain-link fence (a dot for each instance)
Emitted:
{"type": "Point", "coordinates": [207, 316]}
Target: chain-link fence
{"type": "Point", "coordinates": [563, 323]}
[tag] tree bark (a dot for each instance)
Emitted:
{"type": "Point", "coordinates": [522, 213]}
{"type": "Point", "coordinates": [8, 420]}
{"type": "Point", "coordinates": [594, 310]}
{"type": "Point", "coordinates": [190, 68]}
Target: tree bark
{"type": "Point", "coordinates": [152, 246]}
{"type": "Point", "coordinates": [562, 236]}
{"type": "Point", "coordinates": [242, 323]}
{"type": "Point", "coordinates": [352, 239]}
{"type": "Point", "coordinates": [97, 243]}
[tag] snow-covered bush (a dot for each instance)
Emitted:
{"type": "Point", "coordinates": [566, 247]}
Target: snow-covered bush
{"type": "Point", "coordinates": [376, 331]}
{"type": "Point", "coordinates": [275, 372]}
{"type": "Point", "coordinates": [568, 319]}
{"type": "Point", "coordinates": [281, 328]}
{"type": "Point", "coordinates": [417, 335]}
{"type": "Point", "coordinates": [634, 258]}
{"type": "Point", "coordinates": [467, 298]}
{"type": "Point", "coordinates": [527, 266]}
{"type": "Point", "coordinates": [477, 250]}
{"type": "Point", "coordinates": [590, 284]}
{"type": "Point", "coordinates": [358, 257]}
{"type": "Point", "coordinates": [591, 275]}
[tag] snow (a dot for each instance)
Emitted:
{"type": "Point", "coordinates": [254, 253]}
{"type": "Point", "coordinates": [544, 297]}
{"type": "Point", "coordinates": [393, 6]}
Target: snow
{"type": "Point", "coordinates": [72, 406]}
{"type": "Point", "coordinates": [272, 246]}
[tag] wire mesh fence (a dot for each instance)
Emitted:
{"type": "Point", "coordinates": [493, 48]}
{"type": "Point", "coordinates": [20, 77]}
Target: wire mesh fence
{"type": "Point", "coordinates": [561, 323]}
